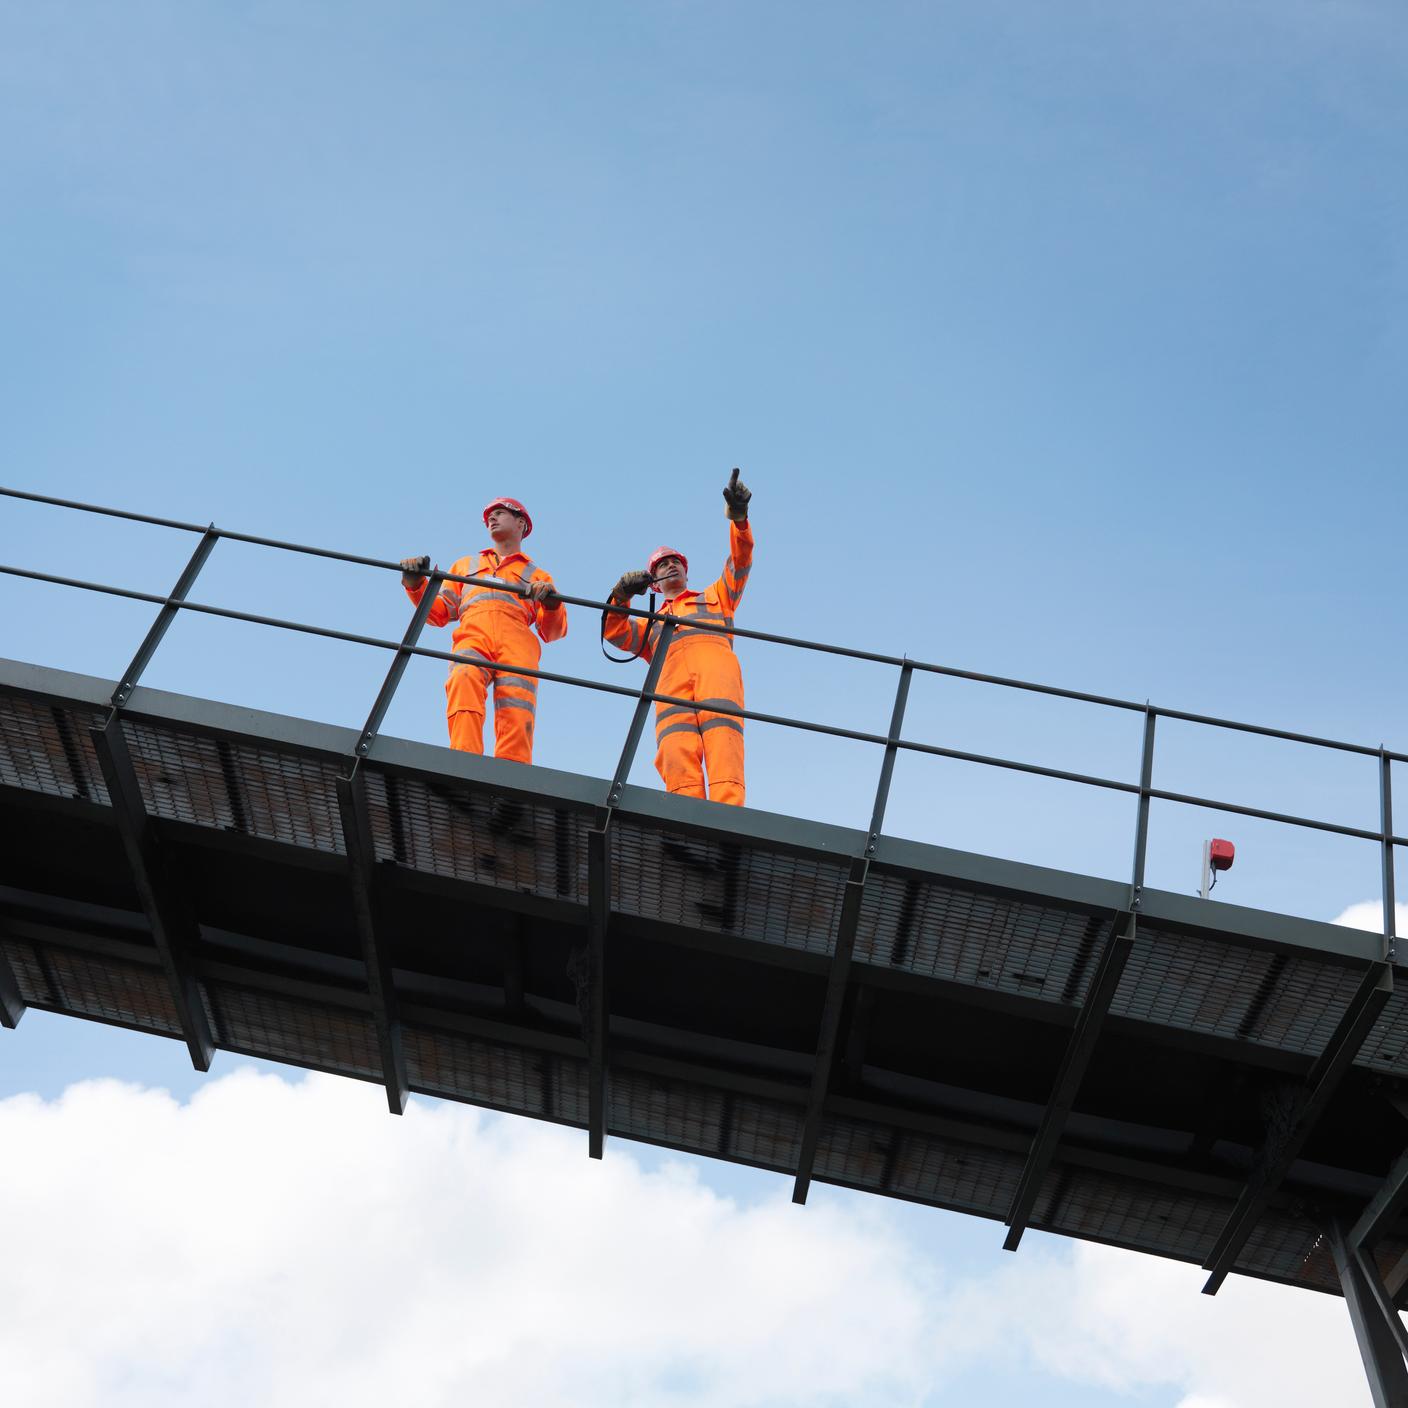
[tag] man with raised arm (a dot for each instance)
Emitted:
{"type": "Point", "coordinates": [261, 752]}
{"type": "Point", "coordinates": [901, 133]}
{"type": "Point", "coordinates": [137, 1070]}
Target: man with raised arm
{"type": "Point", "coordinates": [700, 664]}
{"type": "Point", "coordinates": [495, 626]}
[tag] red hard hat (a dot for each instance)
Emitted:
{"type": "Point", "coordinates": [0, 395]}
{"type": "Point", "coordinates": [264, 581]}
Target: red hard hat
{"type": "Point", "coordinates": [514, 507]}
{"type": "Point", "coordinates": [660, 554]}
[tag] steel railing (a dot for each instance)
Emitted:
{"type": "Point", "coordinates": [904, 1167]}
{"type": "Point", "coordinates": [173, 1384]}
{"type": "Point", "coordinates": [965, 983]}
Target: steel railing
{"type": "Point", "coordinates": [1144, 789]}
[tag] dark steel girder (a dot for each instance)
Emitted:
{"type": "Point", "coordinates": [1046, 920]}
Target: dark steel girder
{"type": "Point", "coordinates": [1384, 1208]}
{"type": "Point", "coordinates": [173, 926]}
{"type": "Point", "coordinates": [838, 978]}
{"type": "Point", "coordinates": [1281, 1148]}
{"type": "Point", "coordinates": [1114, 954]}
{"type": "Point", "coordinates": [1378, 1330]}
{"type": "Point", "coordinates": [12, 1005]}
{"type": "Point", "coordinates": [367, 907]}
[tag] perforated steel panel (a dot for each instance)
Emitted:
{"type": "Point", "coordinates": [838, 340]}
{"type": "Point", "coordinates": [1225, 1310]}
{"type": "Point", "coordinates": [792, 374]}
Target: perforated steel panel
{"type": "Point", "coordinates": [726, 887]}
{"type": "Point", "coordinates": [469, 833]}
{"type": "Point", "coordinates": [925, 927]}
{"type": "Point", "coordinates": [86, 986]}
{"type": "Point", "coordinates": [1084, 1203]}
{"type": "Point", "coordinates": [948, 1173]}
{"type": "Point", "coordinates": [705, 1120]}
{"type": "Point", "coordinates": [286, 1029]}
{"type": "Point", "coordinates": [1386, 1047]}
{"type": "Point", "coordinates": [47, 748]}
{"type": "Point", "coordinates": [1284, 1247]}
{"type": "Point", "coordinates": [1197, 984]}
{"type": "Point", "coordinates": [263, 792]}
{"type": "Point", "coordinates": [489, 1073]}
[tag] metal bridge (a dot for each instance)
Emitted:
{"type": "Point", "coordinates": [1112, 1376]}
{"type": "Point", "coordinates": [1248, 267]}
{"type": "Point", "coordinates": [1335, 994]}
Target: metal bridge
{"type": "Point", "coordinates": [1108, 1061]}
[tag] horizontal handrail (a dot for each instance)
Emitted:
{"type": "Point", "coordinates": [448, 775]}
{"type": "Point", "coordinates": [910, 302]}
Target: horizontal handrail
{"type": "Point", "coordinates": [804, 725]}
{"type": "Point", "coordinates": [769, 637]}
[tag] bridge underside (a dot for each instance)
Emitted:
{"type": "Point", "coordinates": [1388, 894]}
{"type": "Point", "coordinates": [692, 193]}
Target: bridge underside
{"type": "Point", "coordinates": [220, 905]}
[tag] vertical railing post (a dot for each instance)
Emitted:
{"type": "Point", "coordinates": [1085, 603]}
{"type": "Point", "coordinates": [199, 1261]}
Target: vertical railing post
{"type": "Point", "coordinates": [1386, 827]}
{"type": "Point", "coordinates": [398, 664]}
{"type": "Point", "coordinates": [838, 978]}
{"type": "Point", "coordinates": [165, 617]}
{"type": "Point", "coordinates": [1141, 825]}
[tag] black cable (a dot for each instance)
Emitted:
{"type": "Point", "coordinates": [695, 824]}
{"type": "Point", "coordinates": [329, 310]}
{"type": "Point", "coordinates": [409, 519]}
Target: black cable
{"type": "Point", "coordinates": [644, 638]}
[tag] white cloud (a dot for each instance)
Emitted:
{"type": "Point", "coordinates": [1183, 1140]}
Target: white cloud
{"type": "Point", "coordinates": [289, 1244]}
{"type": "Point", "coordinates": [1369, 914]}
{"type": "Point", "coordinates": [282, 1244]}
{"type": "Point", "coordinates": [1133, 1323]}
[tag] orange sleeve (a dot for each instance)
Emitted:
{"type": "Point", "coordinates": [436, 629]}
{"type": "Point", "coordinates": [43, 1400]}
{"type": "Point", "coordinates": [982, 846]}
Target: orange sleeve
{"type": "Point", "coordinates": [551, 621]}
{"type": "Point", "coordinates": [628, 633]}
{"type": "Point", "coordinates": [446, 607]}
{"type": "Point", "coordinates": [737, 567]}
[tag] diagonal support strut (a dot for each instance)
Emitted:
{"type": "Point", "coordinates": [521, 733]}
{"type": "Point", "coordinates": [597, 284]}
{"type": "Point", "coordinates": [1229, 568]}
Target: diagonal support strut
{"type": "Point", "coordinates": [1119, 944]}
{"type": "Point", "coordinates": [174, 927]}
{"type": "Point", "coordinates": [1278, 1154]}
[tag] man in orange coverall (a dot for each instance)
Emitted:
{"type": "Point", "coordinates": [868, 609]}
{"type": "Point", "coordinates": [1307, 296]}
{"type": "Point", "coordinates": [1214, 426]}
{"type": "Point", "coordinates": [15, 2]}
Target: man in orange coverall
{"type": "Point", "coordinates": [494, 626]}
{"type": "Point", "coordinates": [699, 665]}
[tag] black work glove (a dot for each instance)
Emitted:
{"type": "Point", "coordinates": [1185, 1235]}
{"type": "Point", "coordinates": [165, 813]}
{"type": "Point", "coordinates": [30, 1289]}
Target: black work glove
{"type": "Point", "coordinates": [631, 584]}
{"type": "Point", "coordinates": [413, 570]}
{"type": "Point", "coordinates": [736, 498]}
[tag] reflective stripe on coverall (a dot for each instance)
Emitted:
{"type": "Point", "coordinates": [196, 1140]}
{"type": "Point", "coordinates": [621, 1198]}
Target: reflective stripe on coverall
{"type": "Point", "coordinates": [497, 627]}
{"type": "Point", "coordinates": [699, 665]}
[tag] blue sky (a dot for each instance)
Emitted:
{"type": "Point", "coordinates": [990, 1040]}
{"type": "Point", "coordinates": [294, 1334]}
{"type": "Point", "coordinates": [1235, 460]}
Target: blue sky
{"type": "Point", "coordinates": [1058, 342]}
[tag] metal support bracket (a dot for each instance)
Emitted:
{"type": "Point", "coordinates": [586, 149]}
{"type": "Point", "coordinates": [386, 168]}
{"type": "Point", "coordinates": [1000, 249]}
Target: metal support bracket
{"type": "Point", "coordinates": [1384, 1209]}
{"type": "Point", "coordinates": [12, 1004]}
{"type": "Point", "coordinates": [1118, 945]}
{"type": "Point", "coordinates": [1282, 1149]}
{"type": "Point", "coordinates": [838, 978]}
{"type": "Point", "coordinates": [1383, 1342]}
{"type": "Point", "coordinates": [596, 1006]}
{"type": "Point", "coordinates": [174, 927]}
{"type": "Point", "coordinates": [362, 870]}
{"type": "Point", "coordinates": [366, 905]}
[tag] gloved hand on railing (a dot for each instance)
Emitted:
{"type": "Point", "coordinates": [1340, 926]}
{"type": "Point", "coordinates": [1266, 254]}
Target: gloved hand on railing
{"type": "Point", "coordinates": [541, 591]}
{"type": "Point", "coordinates": [413, 570]}
{"type": "Point", "coordinates": [736, 497]}
{"type": "Point", "coordinates": [631, 584]}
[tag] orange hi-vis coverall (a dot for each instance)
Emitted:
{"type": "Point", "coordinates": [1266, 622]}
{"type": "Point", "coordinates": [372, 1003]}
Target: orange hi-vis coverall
{"type": "Point", "coordinates": [699, 665]}
{"type": "Point", "coordinates": [497, 627]}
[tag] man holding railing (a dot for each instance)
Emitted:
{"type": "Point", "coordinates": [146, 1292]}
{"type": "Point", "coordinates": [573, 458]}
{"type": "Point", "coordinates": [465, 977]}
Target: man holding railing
{"type": "Point", "coordinates": [700, 664]}
{"type": "Point", "coordinates": [494, 624]}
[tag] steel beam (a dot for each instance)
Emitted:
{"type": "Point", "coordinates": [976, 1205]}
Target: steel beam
{"type": "Point", "coordinates": [597, 1015]}
{"type": "Point", "coordinates": [839, 975]}
{"type": "Point", "coordinates": [174, 927]}
{"type": "Point", "coordinates": [1384, 1208]}
{"type": "Point", "coordinates": [1118, 945]}
{"type": "Point", "coordinates": [1281, 1149]}
{"type": "Point", "coordinates": [1377, 1328]}
{"type": "Point", "coordinates": [367, 908]}
{"type": "Point", "coordinates": [12, 1005]}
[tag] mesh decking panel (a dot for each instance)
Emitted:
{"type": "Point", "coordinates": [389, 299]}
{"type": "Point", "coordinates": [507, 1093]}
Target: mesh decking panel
{"type": "Point", "coordinates": [1285, 1247]}
{"type": "Point", "coordinates": [46, 748]}
{"type": "Point", "coordinates": [727, 887]}
{"type": "Point", "coordinates": [235, 786]}
{"type": "Point", "coordinates": [87, 986]}
{"type": "Point", "coordinates": [1179, 980]}
{"type": "Point", "coordinates": [285, 1029]}
{"type": "Point", "coordinates": [705, 1120]}
{"type": "Point", "coordinates": [1386, 1047]}
{"type": "Point", "coordinates": [1015, 946]}
{"type": "Point", "coordinates": [468, 833]}
{"type": "Point", "coordinates": [897, 1161]}
{"type": "Point", "coordinates": [506, 1077]}
{"type": "Point", "coordinates": [1084, 1203]}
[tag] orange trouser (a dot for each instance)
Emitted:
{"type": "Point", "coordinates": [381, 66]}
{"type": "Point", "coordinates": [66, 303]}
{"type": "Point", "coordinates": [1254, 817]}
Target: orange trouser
{"type": "Point", "coordinates": [502, 637]}
{"type": "Point", "coordinates": [689, 740]}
